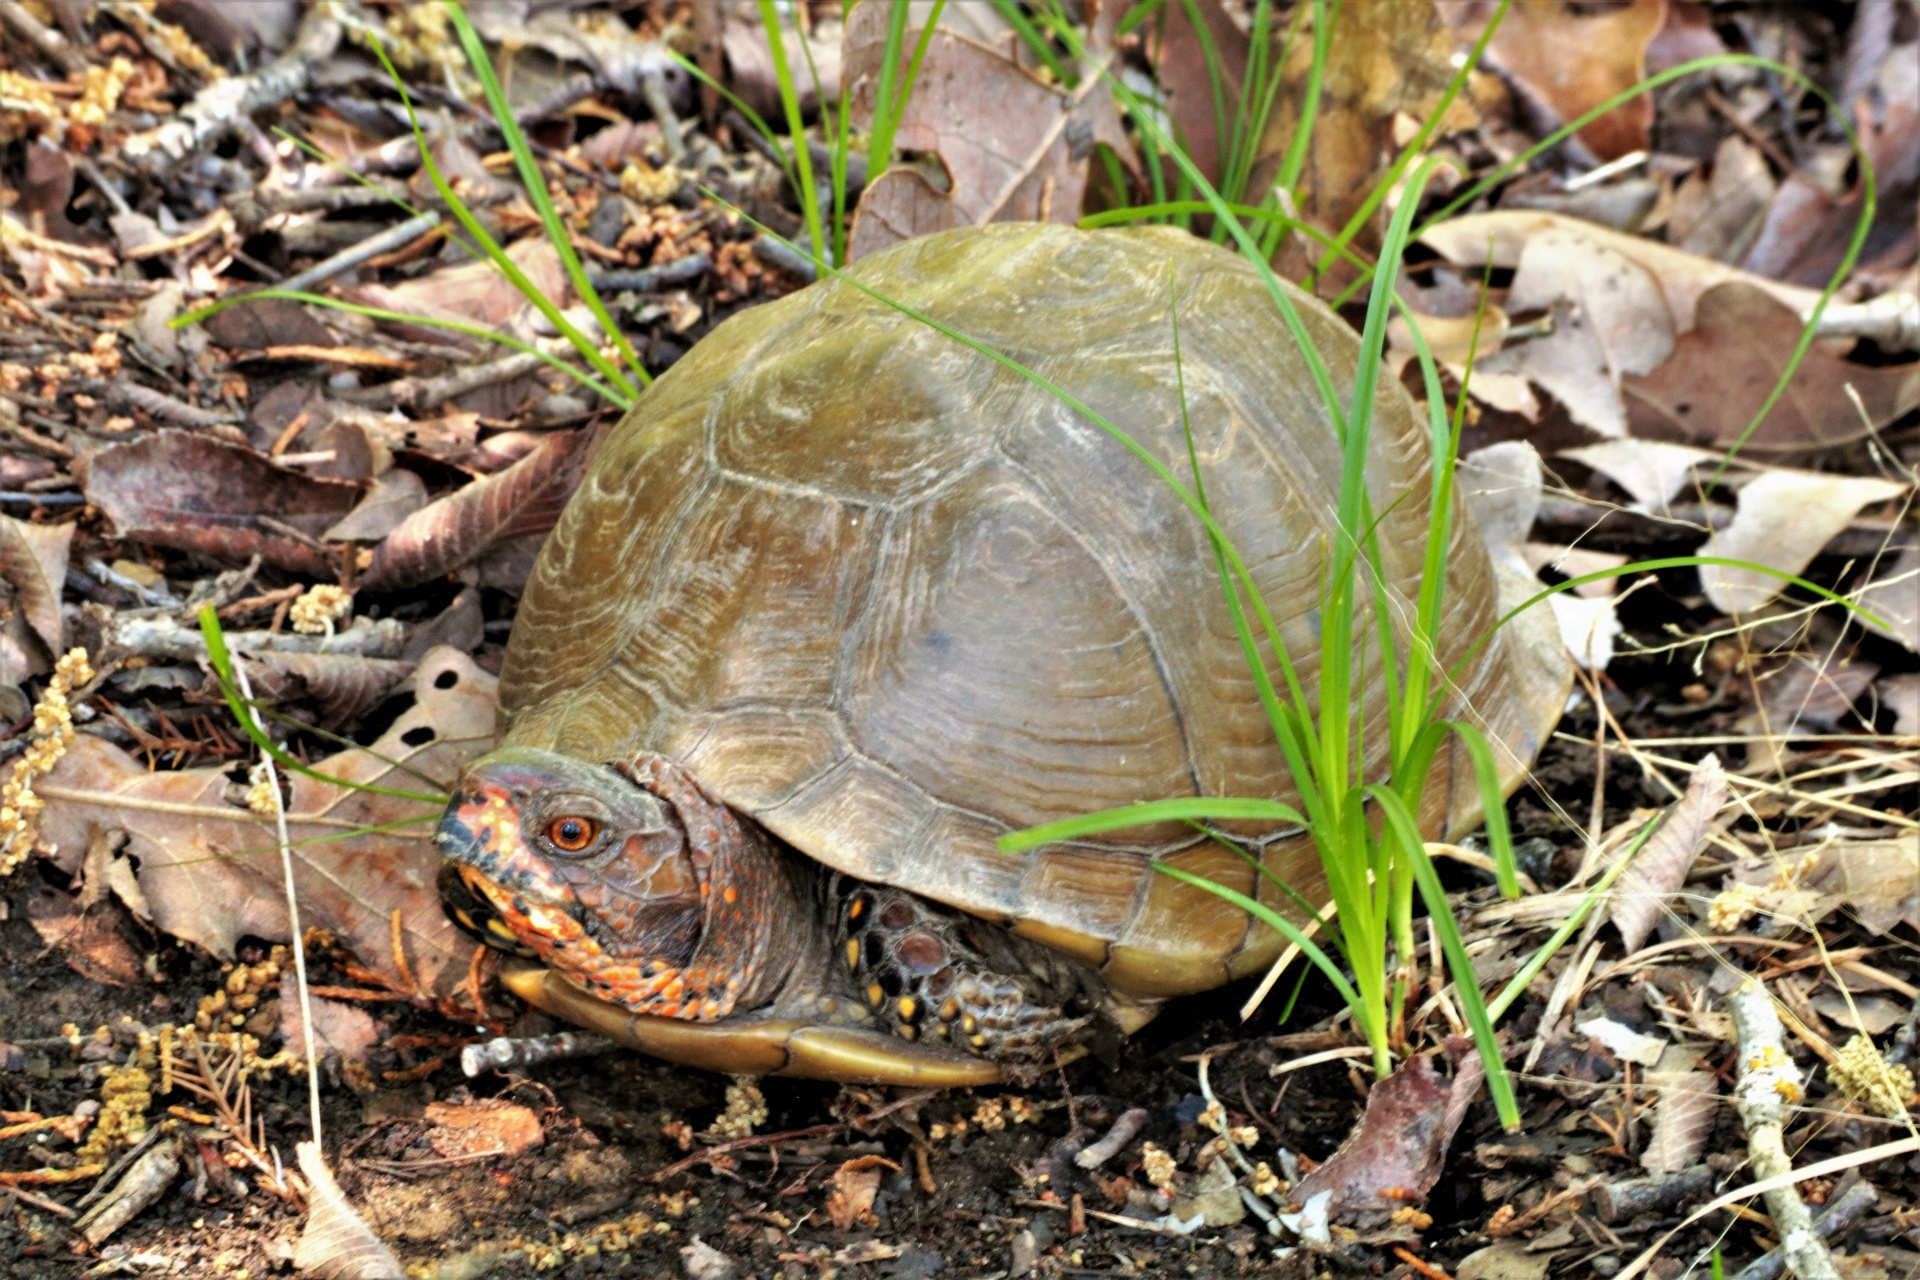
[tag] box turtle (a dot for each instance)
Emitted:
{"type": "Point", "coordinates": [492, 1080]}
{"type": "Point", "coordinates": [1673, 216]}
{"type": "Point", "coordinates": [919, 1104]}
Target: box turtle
{"type": "Point", "coordinates": [841, 601]}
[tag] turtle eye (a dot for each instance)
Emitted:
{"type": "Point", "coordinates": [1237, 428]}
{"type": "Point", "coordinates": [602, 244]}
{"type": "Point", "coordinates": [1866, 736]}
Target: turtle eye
{"type": "Point", "coordinates": [572, 834]}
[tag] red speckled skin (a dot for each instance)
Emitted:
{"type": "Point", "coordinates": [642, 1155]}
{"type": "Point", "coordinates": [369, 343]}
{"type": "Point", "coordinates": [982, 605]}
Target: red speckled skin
{"type": "Point", "coordinates": [667, 912]}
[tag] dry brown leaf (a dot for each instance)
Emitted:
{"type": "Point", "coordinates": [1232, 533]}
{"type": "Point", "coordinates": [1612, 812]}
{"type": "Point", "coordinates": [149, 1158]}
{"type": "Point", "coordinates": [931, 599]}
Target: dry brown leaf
{"type": "Point", "coordinates": [1011, 147]}
{"type": "Point", "coordinates": [1683, 277]}
{"type": "Point", "coordinates": [476, 292]}
{"type": "Point", "coordinates": [33, 558]}
{"type": "Point", "coordinates": [1661, 866]}
{"type": "Point", "coordinates": [1186, 85]}
{"type": "Point", "coordinates": [209, 868]}
{"type": "Point", "coordinates": [1782, 520]}
{"type": "Point", "coordinates": [1682, 1119]}
{"type": "Point", "coordinates": [1395, 1153]}
{"type": "Point", "coordinates": [1718, 216]}
{"type": "Point", "coordinates": [185, 490]}
{"type": "Point", "coordinates": [1901, 695]}
{"type": "Point", "coordinates": [336, 1243]}
{"type": "Point", "coordinates": [1575, 61]}
{"type": "Point", "coordinates": [1389, 60]}
{"type": "Point", "coordinates": [464, 1130]}
{"type": "Point", "coordinates": [90, 939]}
{"type": "Point", "coordinates": [1879, 879]}
{"type": "Point", "coordinates": [1610, 320]}
{"type": "Point", "coordinates": [1870, 1015]}
{"type": "Point", "coordinates": [344, 686]}
{"type": "Point", "coordinates": [395, 495]}
{"type": "Point", "coordinates": [1653, 471]}
{"type": "Point", "coordinates": [342, 1029]}
{"type": "Point", "coordinates": [750, 58]}
{"type": "Point", "coordinates": [1722, 371]}
{"type": "Point", "coordinates": [1807, 228]}
{"type": "Point", "coordinates": [491, 514]}
{"type": "Point", "coordinates": [850, 1193]}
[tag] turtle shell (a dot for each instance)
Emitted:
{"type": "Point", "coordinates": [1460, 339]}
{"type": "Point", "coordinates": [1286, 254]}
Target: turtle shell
{"type": "Point", "coordinates": [893, 600]}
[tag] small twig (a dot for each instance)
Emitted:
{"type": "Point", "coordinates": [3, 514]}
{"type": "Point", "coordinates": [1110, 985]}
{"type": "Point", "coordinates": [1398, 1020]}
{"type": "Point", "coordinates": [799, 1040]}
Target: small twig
{"type": "Point", "coordinates": [1769, 1080]}
{"type": "Point", "coordinates": [505, 1053]}
{"type": "Point", "coordinates": [648, 279]}
{"type": "Point", "coordinates": [1835, 1217]}
{"type": "Point", "coordinates": [774, 253]}
{"type": "Point", "coordinates": [51, 44]}
{"type": "Point", "coordinates": [39, 1202]}
{"type": "Point", "coordinates": [167, 409]}
{"type": "Point", "coordinates": [105, 1181]}
{"type": "Point", "coordinates": [394, 237]}
{"type": "Point", "coordinates": [426, 393]}
{"type": "Point", "coordinates": [738, 1144]}
{"type": "Point", "coordinates": [653, 87]}
{"type": "Point", "coordinates": [1123, 1131]}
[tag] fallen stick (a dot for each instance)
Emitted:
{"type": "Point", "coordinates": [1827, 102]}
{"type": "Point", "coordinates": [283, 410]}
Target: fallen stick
{"type": "Point", "coordinates": [1769, 1080]}
{"type": "Point", "coordinates": [1835, 1217]}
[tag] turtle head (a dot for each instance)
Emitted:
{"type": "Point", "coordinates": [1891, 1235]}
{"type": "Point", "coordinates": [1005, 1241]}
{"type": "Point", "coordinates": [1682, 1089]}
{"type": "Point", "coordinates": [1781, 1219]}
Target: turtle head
{"type": "Point", "coordinates": [576, 865]}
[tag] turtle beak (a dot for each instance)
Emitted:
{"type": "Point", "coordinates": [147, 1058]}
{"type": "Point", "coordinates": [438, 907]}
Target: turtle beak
{"type": "Point", "coordinates": [489, 884]}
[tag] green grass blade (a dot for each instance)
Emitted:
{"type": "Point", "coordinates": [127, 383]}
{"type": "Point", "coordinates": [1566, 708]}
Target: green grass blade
{"type": "Point", "coordinates": [1030, 35]}
{"type": "Point", "coordinates": [1277, 922]}
{"type": "Point", "coordinates": [885, 117]}
{"type": "Point", "coordinates": [589, 351]}
{"type": "Point", "coordinates": [221, 661]}
{"type": "Point", "coordinates": [1252, 213]}
{"type": "Point", "coordinates": [1141, 12]}
{"type": "Point", "coordinates": [809, 197]}
{"type": "Point", "coordinates": [1295, 159]}
{"type": "Point", "coordinates": [535, 183]}
{"type": "Point", "coordinates": [1518, 984]}
{"type": "Point", "coordinates": [1473, 1007]}
{"type": "Point", "coordinates": [747, 113]}
{"type": "Point", "coordinates": [1493, 803]}
{"type": "Point", "coordinates": [1181, 808]}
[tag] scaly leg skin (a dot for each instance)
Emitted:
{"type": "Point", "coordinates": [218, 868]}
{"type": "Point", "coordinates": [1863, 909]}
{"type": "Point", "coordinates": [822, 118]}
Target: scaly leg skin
{"type": "Point", "coordinates": [937, 975]}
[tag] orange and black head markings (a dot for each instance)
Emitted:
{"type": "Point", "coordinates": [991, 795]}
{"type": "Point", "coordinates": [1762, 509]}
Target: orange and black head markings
{"type": "Point", "coordinates": [571, 833]}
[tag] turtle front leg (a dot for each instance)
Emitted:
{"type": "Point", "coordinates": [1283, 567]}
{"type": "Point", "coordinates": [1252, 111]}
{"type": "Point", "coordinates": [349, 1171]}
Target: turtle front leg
{"type": "Point", "coordinates": [934, 975]}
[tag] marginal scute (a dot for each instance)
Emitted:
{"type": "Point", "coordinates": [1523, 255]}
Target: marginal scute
{"type": "Point", "coordinates": [893, 600]}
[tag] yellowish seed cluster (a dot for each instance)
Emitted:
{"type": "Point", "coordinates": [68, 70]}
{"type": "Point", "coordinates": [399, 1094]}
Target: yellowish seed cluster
{"type": "Point", "coordinates": [1158, 1165]}
{"type": "Point", "coordinates": [1265, 1181]}
{"type": "Point", "coordinates": [641, 183]}
{"type": "Point", "coordinates": [1865, 1076]}
{"type": "Point", "coordinates": [53, 732]}
{"type": "Point", "coordinates": [241, 993]}
{"type": "Point", "coordinates": [26, 107]}
{"type": "Point", "coordinates": [104, 360]}
{"type": "Point", "coordinates": [1737, 903]}
{"type": "Point", "coordinates": [322, 605]}
{"type": "Point", "coordinates": [101, 92]}
{"type": "Point", "coordinates": [746, 1109]}
{"type": "Point", "coordinates": [262, 795]}
{"type": "Point", "coordinates": [419, 36]}
{"type": "Point", "coordinates": [125, 1094]}
{"type": "Point", "coordinates": [990, 1115]}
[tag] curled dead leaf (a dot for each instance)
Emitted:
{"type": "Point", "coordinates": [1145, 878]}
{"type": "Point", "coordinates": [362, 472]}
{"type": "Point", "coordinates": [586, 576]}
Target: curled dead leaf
{"type": "Point", "coordinates": [850, 1194]}
{"type": "Point", "coordinates": [1661, 866]}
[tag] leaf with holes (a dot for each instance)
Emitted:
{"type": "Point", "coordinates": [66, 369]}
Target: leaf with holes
{"type": "Point", "coordinates": [209, 867]}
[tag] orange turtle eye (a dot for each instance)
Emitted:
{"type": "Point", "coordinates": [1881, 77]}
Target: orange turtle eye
{"type": "Point", "coordinates": [571, 835]}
